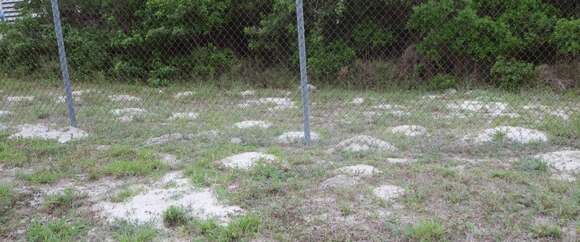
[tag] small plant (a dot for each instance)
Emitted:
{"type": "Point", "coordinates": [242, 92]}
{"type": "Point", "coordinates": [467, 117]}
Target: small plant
{"type": "Point", "coordinates": [510, 75]}
{"type": "Point", "coordinates": [175, 216]}
{"type": "Point", "coordinates": [123, 195]}
{"type": "Point", "coordinates": [136, 163]}
{"type": "Point", "coordinates": [547, 231]}
{"type": "Point", "coordinates": [426, 230]}
{"type": "Point", "coordinates": [127, 232]}
{"type": "Point", "coordinates": [61, 202]}
{"type": "Point", "coordinates": [57, 230]}
{"type": "Point", "coordinates": [241, 228]}
{"type": "Point", "coordinates": [533, 165]}
{"type": "Point", "coordinates": [42, 177]}
{"type": "Point", "coordinates": [6, 198]}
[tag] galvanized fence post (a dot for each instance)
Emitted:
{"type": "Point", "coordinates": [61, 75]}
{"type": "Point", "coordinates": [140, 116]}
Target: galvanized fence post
{"type": "Point", "coordinates": [303, 70]}
{"type": "Point", "coordinates": [63, 63]}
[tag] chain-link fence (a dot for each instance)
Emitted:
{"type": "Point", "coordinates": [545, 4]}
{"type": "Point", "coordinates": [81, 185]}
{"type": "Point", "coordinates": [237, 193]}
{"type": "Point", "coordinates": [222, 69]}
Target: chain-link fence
{"type": "Point", "coordinates": [161, 61]}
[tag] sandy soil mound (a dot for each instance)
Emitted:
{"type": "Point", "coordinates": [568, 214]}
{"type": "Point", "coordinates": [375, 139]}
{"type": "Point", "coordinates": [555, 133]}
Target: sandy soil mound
{"type": "Point", "coordinates": [39, 131]}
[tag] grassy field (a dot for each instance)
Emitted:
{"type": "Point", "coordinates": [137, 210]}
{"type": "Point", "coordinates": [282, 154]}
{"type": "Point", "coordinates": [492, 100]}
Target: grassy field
{"type": "Point", "coordinates": [454, 189]}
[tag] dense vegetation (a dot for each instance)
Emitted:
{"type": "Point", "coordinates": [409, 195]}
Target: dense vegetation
{"type": "Point", "coordinates": [497, 41]}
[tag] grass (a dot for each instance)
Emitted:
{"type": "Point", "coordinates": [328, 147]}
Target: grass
{"type": "Point", "coordinates": [60, 230]}
{"type": "Point", "coordinates": [7, 198]}
{"type": "Point", "coordinates": [142, 163]}
{"type": "Point", "coordinates": [128, 232]}
{"type": "Point", "coordinates": [547, 231]}
{"type": "Point", "coordinates": [426, 230]}
{"type": "Point", "coordinates": [47, 176]}
{"type": "Point", "coordinates": [61, 202]}
{"type": "Point", "coordinates": [478, 189]}
{"type": "Point", "coordinates": [175, 216]}
{"type": "Point", "coordinates": [242, 228]}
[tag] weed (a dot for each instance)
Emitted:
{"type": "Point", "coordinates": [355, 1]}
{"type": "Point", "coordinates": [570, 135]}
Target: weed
{"type": "Point", "coordinates": [533, 165]}
{"type": "Point", "coordinates": [547, 231]}
{"type": "Point", "coordinates": [426, 230]}
{"type": "Point", "coordinates": [55, 231]}
{"type": "Point", "coordinates": [142, 164]}
{"type": "Point", "coordinates": [47, 176]}
{"type": "Point", "coordinates": [61, 202]}
{"type": "Point", "coordinates": [175, 216]}
{"type": "Point", "coordinates": [7, 198]}
{"type": "Point", "coordinates": [128, 232]}
{"type": "Point", "coordinates": [241, 228]}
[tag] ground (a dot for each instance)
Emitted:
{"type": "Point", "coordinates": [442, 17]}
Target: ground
{"type": "Point", "coordinates": [198, 162]}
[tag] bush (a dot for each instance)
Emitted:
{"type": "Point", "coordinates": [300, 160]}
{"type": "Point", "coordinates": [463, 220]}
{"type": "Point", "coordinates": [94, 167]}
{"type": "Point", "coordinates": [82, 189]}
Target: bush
{"type": "Point", "coordinates": [442, 82]}
{"type": "Point", "coordinates": [511, 74]}
{"type": "Point", "coordinates": [566, 36]}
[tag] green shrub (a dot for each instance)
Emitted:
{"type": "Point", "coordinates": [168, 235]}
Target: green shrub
{"type": "Point", "coordinates": [566, 36]}
{"type": "Point", "coordinates": [442, 82]}
{"type": "Point", "coordinates": [511, 74]}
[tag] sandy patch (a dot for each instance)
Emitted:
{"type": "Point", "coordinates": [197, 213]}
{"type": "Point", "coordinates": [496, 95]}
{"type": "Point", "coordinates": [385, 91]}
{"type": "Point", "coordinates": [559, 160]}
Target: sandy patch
{"type": "Point", "coordinates": [563, 161]}
{"type": "Point", "coordinates": [19, 99]}
{"type": "Point", "coordinates": [296, 137]}
{"type": "Point", "coordinates": [164, 139]}
{"type": "Point", "coordinates": [359, 171]}
{"type": "Point", "coordinates": [5, 113]}
{"type": "Point", "coordinates": [39, 131]}
{"type": "Point", "coordinates": [511, 134]}
{"type": "Point", "coordinates": [183, 95]}
{"type": "Point", "coordinates": [410, 130]}
{"type": "Point", "coordinates": [124, 98]}
{"type": "Point", "coordinates": [245, 161]}
{"type": "Point", "coordinates": [544, 111]}
{"type": "Point", "coordinates": [493, 109]}
{"type": "Point", "coordinates": [184, 116]}
{"type": "Point", "coordinates": [247, 93]}
{"type": "Point", "coordinates": [364, 143]}
{"type": "Point", "coordinates": [173, 190]}
{"type": "Point", "coordinates": [339, 181]}
{"type": "Point", "coordinates": [399, 160]}
{"type": "Point", "coordinates": [127, 114]}
{"type": "Point", "coordinates": [357, 101]}
{"type": "Point", "coordinates": [250, 124]}
{"type": "Point", "coordinates": [388, 192]}
{"type": "Point", "coordinates": [273, 103]}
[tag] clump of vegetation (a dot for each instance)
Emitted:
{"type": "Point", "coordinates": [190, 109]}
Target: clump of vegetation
{"type": "Point", "coordinates": [124, 231]}
{"type": "Point", "coordinates": [533, 165]}
{"type": "Point", "coordinates": [244, 227]}
{"type": "Point", "coordinates": [547, 231]}
{"type": "Point", "coordinates": [426, 230]}
{"type": "Point", "coordinates": [7, 198]}
{"type": "Point", "coordinates": [55, 230]}
{"type": "Point", "coordinates": [62, 202]}
{"type": "Point", "coordinates": [511, 74]}
{"type": "Point", "coordinates": [442, 82]}
{"type": "Point", "coordinates": [47, 176]}
{"type": "Point", "coordinates": [175, 216]}
{"type": "Point", "coordinates": [133, 163]}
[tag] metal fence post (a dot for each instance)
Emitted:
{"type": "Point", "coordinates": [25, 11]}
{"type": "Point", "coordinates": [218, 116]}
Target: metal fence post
{"type": "Point", "coordinates": [303, 70]}
{"type": "Point", "coordinates": [63, 63]}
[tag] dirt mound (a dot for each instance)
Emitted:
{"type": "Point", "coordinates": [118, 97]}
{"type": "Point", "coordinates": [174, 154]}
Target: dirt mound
{"type": "Point", "coordinates": [39, 131]}
{"type": "Point", "coordinates": [364, 143]}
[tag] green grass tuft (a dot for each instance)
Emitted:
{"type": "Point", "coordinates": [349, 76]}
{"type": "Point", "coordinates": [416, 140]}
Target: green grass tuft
{"type": "Point", "coordinates": [56, 230]}
{"type": "Point", "coordinates": [245, 227]}
{"type": "Point", "coordinates": [140, 163]}
{"type": "Point", "coordinates": [426, 230]}
{"type": "Point", "coordinates": [547, 231]}
{"type": "Point", "coordinates": [127, 232]}
{"type": "Point", "coordinates": [175, 216]}
{"type": "Point", "coordinates": [61, 202]}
